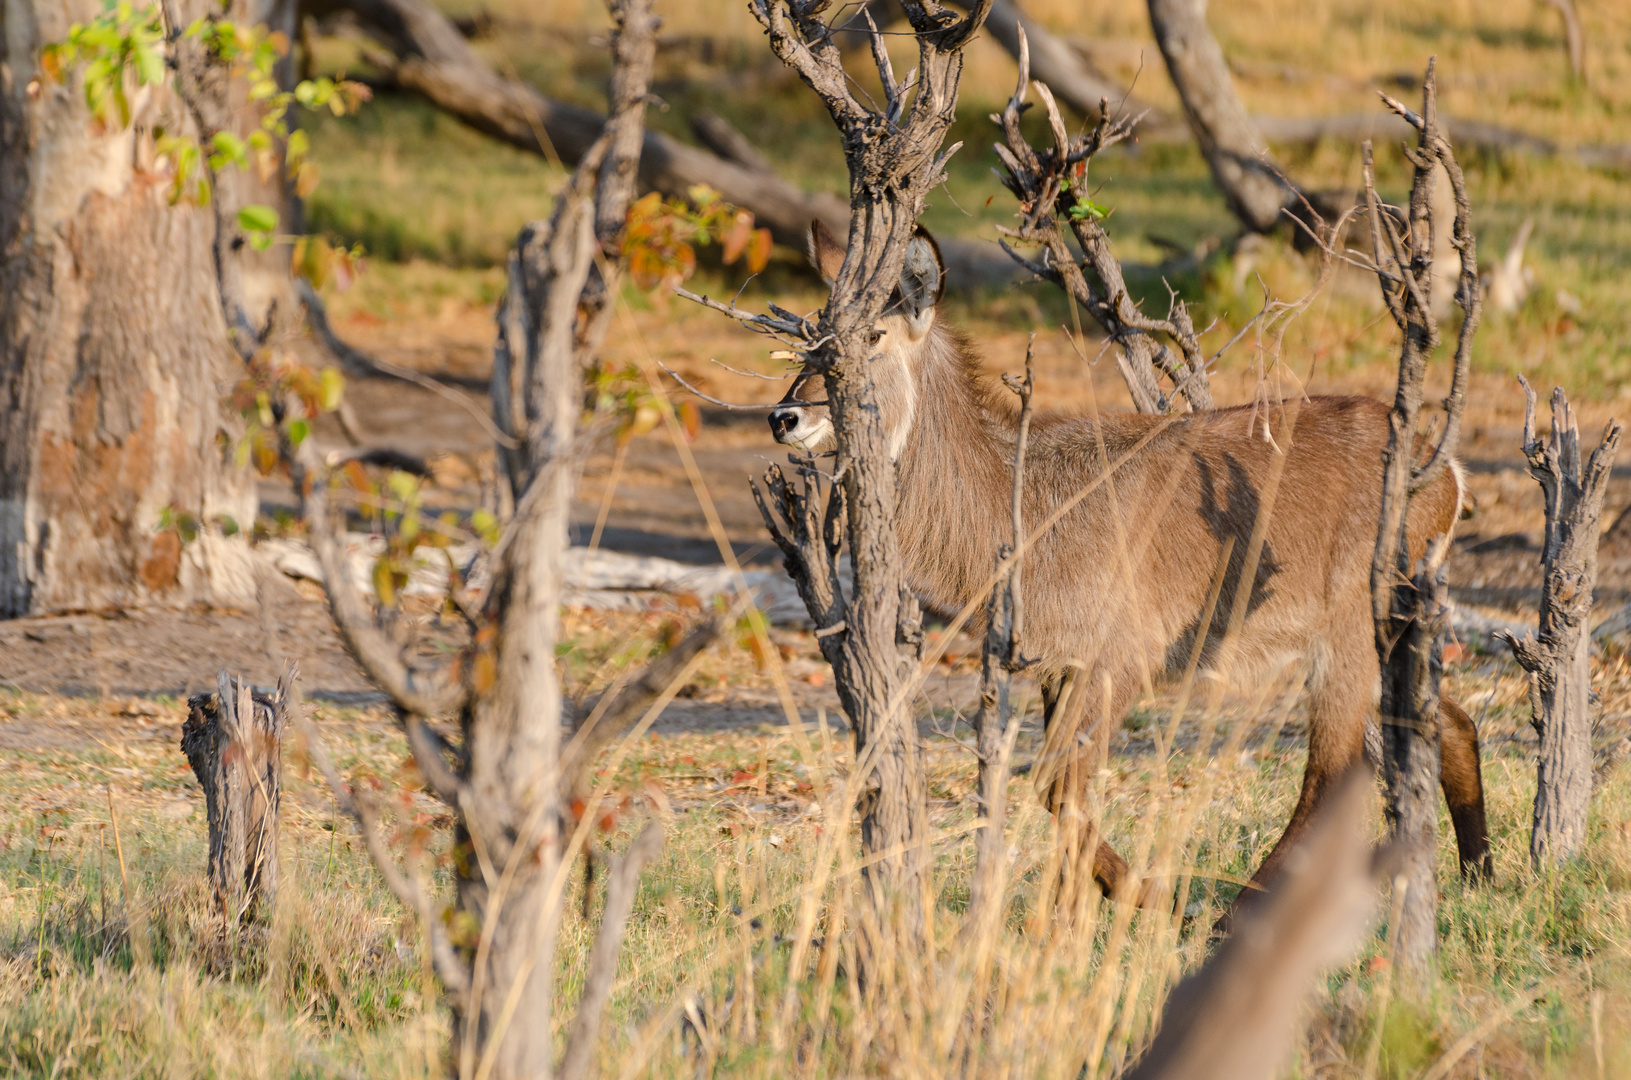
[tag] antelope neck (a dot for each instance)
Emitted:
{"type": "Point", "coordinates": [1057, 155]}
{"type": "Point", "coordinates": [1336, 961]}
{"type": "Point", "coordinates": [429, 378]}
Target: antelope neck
{"type": "Point", "coordinates": [955, 478]}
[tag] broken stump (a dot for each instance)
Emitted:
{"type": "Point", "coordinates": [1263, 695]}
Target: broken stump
{"type": "Point", "coordinates": [233, 740]}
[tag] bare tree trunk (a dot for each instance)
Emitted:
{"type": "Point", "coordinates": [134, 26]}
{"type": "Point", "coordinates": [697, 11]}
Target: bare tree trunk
{"type": "Point", "coordinates": [510, 781]}
{"type": "Point", "coordinates": [1409, 601]}
{"type": "Point", "coordinates": [113, 355]}
{"type": "Point", "coordinates": [894, 158]}
{"type": "Point", "coordinates": [1061, 67]}
{"type": "Point", "coordinates": [434, 61]}
{"type": "Point", "coordinates": [1239, 158]}
{"type": "Point", "coordinates": [233, 741]}
{"type": "Point", "coordinates": [1558, 661]}
{"type": "Point", "coordinates": [1410, 751]}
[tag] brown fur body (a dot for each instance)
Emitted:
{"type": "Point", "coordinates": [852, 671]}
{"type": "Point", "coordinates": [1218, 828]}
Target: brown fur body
{"type": "Point", "coordinates": [1116, 592]}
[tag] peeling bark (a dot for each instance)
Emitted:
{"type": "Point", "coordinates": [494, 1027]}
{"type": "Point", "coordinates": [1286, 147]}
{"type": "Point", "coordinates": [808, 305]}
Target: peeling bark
{"type": "Point", "coordinates": [110, 373]}
{"type": "Point", "coordinates": [233, 741]}
{"type": "Point", "coordinates": [1558, 659]}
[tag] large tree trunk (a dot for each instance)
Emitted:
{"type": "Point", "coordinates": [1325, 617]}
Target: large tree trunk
{"type": "Point", "coordinates": [1238, 156]}
{"type": "Point", "coordinates": [113, 355]}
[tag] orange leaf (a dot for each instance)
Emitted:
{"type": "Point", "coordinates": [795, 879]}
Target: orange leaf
{"type": "Point", "coordinates": [355, 473]}
{"type": "Point", "coordinates": [690, 419]}
{"type": "Point", "coordinates": [305, 179]}
{"type": "Point", "coordinates": [759, 253]}
{"type": "Point", "coordinates": [736, 240]}
{"type": "Point", "coordinates": [484, 673]}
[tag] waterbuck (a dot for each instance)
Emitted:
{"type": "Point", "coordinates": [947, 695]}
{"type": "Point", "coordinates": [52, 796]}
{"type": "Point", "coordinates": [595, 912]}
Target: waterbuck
{"type": "Point", "coordinates": [1117, 590]}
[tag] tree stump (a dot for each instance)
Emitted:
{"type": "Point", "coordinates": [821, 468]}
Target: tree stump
{"type": "Point", "coordinates": [233, 740]}
{"type": "Point", "coordinates": [1557, 660]}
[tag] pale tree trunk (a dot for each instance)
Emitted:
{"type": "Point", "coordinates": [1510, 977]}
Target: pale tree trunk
{"type": "Point", "coordinates": [1558, 661]}
{"type": "Point", "coordinates": [114, 357]}
{"type": "Point", "coordinates": [233, 741]}
{"type": "Point", "coordinates": [522, 800]}
{"type": "Point", "coordinates": [1239, 158]}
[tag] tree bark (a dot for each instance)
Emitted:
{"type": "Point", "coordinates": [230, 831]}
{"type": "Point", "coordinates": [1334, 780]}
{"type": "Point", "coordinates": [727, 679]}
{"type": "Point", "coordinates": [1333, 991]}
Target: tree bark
{"type": "Point", "coordinates": [1409, 600]}
{"type": "Point", "coordinates": [514, 788]}
{"type": "Point", "coordinates": [873, 637]}
{"type": "Point", "coordinates": [1239, 158]}
{"type": "Point", "coordinates": [1558, 660]}
{"type": "Point", "coordinates": [233, 741]}
{"type": "Point", "coordinates": [1410, 756]}
{"type": "Point", "coordinates": [1046, 186]}
{"type": "Point", "coordinates": [113, 354]}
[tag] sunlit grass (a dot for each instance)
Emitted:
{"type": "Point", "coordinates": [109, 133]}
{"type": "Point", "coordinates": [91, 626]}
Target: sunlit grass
{"type": "Point", "coordinates": [335, 980]}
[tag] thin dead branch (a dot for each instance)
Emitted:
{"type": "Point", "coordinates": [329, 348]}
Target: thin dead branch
{"type": "Point", "coordinates": [996, 724]}
{"type": "Point", "coordinates": [1052, 188]}
{"type": "Point", "coordinates": [444, 958]}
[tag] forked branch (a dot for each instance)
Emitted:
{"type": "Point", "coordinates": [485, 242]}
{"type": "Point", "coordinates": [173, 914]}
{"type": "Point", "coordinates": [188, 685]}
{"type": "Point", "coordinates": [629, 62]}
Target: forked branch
{"type": "Point", "coordinates": [1052, 188]}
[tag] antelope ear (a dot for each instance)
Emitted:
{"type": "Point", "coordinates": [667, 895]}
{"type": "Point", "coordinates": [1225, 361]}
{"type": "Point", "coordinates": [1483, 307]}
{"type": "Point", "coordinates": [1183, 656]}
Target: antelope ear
{"type": "Point", "coordinates": [922, 281]}
{"type": "Point", "coordinates": [826, 253]}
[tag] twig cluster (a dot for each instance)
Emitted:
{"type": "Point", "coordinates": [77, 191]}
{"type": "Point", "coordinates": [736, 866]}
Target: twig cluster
{"type": "Point", "coordinates": [1051, 186]}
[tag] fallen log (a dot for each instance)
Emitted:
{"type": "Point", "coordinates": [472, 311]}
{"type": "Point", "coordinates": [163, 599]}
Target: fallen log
{"type": "Point", "coordinates": [431, 58]}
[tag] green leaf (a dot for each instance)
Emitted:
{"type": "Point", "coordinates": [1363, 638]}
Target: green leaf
{"type": "Point", "coordinates": [149, 64]}
{"type": "Point", "coordinates": [230, 149]}
{"type": "Point", "coordinates": [1086, 208]}
{"type": "Point", "coordinates": [485, 525]}
{"type": "Point", "coordinates": [332, 385]}
{"type": "Point", "coordinates": [228, 524]}
{"type": "Point", "coordinates": [403, 485]}
{"type": "Point", "coordinates": [256, 218]}
{"type": "Point", "coordinates": [298, 430]}
{"type": "Point", "coordinates": [299, 145]}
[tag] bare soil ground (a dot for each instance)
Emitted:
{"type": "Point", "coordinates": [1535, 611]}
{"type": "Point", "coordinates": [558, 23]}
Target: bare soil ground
{"type": "Point", "coordinates": [655, 510]}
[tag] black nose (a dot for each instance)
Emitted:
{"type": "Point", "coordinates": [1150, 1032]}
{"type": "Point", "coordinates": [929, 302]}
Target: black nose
{"type": "Point", "coordinates": [782, 422]}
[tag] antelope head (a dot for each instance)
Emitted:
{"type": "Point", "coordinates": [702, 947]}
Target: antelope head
{"type": "Point", "coordinates": [899, 340]}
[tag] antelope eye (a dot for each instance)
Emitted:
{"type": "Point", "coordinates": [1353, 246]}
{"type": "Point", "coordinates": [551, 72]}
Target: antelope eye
{"type": "Point", "coordinates": [874, 337]}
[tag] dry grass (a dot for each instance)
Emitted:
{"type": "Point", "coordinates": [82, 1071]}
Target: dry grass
{"type": "Point", "coordinates": [334, 984]}
{"type": "Point", "coordinates": [445, 203]}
